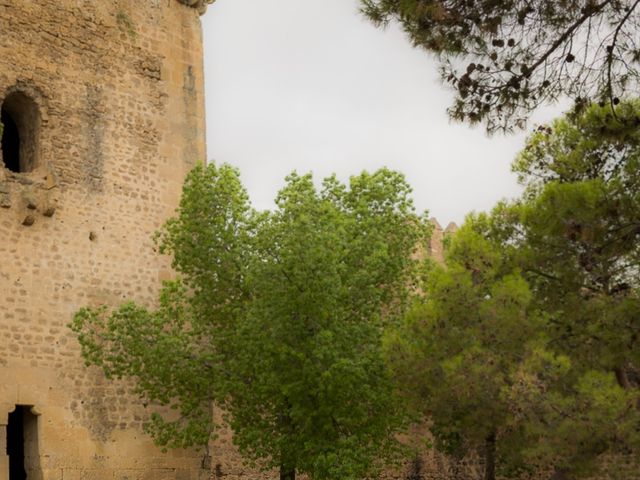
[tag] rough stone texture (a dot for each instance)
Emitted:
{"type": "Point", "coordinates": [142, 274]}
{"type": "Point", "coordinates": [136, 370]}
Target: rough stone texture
{"type": "Point", "coordinates": [119, 89]}
{"type": "Point", "coordinates": [199, 5]}
{"type": "Point", "coordinates": [436, 246]}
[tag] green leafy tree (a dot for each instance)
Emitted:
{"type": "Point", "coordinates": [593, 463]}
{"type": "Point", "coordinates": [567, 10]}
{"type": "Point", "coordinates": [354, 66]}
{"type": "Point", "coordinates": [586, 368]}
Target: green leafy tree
{"type": "Point", "coordinates": [333, 267]}
{"type": "Point", "coordinates": [176, 351]}
{"type": "Point", "coordinates": [579, 231]}
{"type": "Point", "coordinates": [575, 236]}
{"type": "Point", "coordinates": [505, 58]}
{"type": "Point", "coordinates": [455, 355]}
{"type": "Point", "coordinates": [277, 317]}
{"type": "Point", "coordinates": [527, 339]}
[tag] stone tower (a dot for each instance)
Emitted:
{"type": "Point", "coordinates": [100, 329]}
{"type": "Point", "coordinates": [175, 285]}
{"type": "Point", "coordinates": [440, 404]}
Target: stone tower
{"type": "Point", "coordinates": [103, 114]}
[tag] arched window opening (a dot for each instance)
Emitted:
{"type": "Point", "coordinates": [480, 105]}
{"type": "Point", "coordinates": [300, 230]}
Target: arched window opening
{"type": "Point", "coordinates": [10, 142]}
{"type": "Point", "coordinates": [21, 123]}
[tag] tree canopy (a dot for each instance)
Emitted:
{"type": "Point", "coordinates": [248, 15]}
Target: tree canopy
{"type": "Point", "coordinates": [577, 237]}
{"type": "Point", "coordinates": [525, 347]}
{"type": "Point", "coordinates": [276, 317]}
{"type": "Point", "coordinates": [506, 58]}
{"type": "Point", "coordinates": [456, 353]}
{"type": "Point", "coordinates": [580, 230]}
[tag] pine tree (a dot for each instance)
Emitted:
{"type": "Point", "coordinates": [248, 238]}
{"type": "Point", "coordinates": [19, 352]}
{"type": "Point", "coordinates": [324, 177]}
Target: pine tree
{"type": "Point", "coordinates": [504, 59]}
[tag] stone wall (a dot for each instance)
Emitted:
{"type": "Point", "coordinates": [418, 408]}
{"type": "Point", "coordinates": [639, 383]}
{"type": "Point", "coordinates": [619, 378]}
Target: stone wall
{"type": "Point", "coordinates": [117, 87]}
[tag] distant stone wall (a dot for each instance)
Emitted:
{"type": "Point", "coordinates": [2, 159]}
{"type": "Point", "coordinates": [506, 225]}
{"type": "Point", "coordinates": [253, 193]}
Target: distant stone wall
{"type": "Point", "coordinates": [117, 91]}
{"type": "Point", "coordinates": [438, 239]}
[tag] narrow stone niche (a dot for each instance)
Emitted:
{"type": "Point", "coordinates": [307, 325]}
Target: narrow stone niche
{"type": "Point", "coordinates": [20, 118]}
{"type": "Point", "coordinates": [22, 444]}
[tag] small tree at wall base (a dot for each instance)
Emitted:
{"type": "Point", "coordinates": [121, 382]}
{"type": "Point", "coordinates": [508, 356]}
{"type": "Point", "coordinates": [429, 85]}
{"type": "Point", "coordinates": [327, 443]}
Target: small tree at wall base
{"type": "Point", "coordinates": [277, 317]}
{"type": "Point", "coordinates": [504, 59]}
{"type": "Point", "coordinates": [175, 352]}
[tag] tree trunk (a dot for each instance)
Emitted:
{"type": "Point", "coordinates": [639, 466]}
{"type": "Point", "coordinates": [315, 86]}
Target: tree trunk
{"type": "Point", "coordinates": [490, 457]}
{"type": "Point", "coordinates": [622, 378]}
{"type": "Point", "coordinates": [559, 474]}
{"type": "Point", "coordinates": [287, 473]}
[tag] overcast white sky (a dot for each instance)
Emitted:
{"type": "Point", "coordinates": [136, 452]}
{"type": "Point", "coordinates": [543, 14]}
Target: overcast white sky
{"type": "Point", "coordinates": [312, 86]}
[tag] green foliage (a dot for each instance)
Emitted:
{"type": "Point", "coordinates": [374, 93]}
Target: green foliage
{"type": "Point", "coordinates": [455, 355]}
{"type": "Point", "coordinates": [505, 58]}
{"type": "Point", "coordinates": [578, 237]}
{"type": "Point", "coordinates": [175, 351]}
{"type": "Point", "coordinates": [528, 336]}
{"type": "Point", "coordinates": [572, 416]}
{"type": "Point", "coordinates": [133, 341]}
{"type": "Point", "coordinates": [277, 317]}
{"type": "Point", "coordinates": [332, 267]}
{"type": "Point", "coordinates": [580, 228]}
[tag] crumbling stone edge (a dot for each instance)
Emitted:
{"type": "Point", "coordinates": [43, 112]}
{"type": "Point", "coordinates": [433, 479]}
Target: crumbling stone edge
{"type": "Point", "coordinates": [199, 5]}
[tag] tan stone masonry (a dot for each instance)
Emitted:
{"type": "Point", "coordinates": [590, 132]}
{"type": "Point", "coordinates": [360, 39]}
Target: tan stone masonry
{"type": "Point", "coordinates": [118, 90]}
